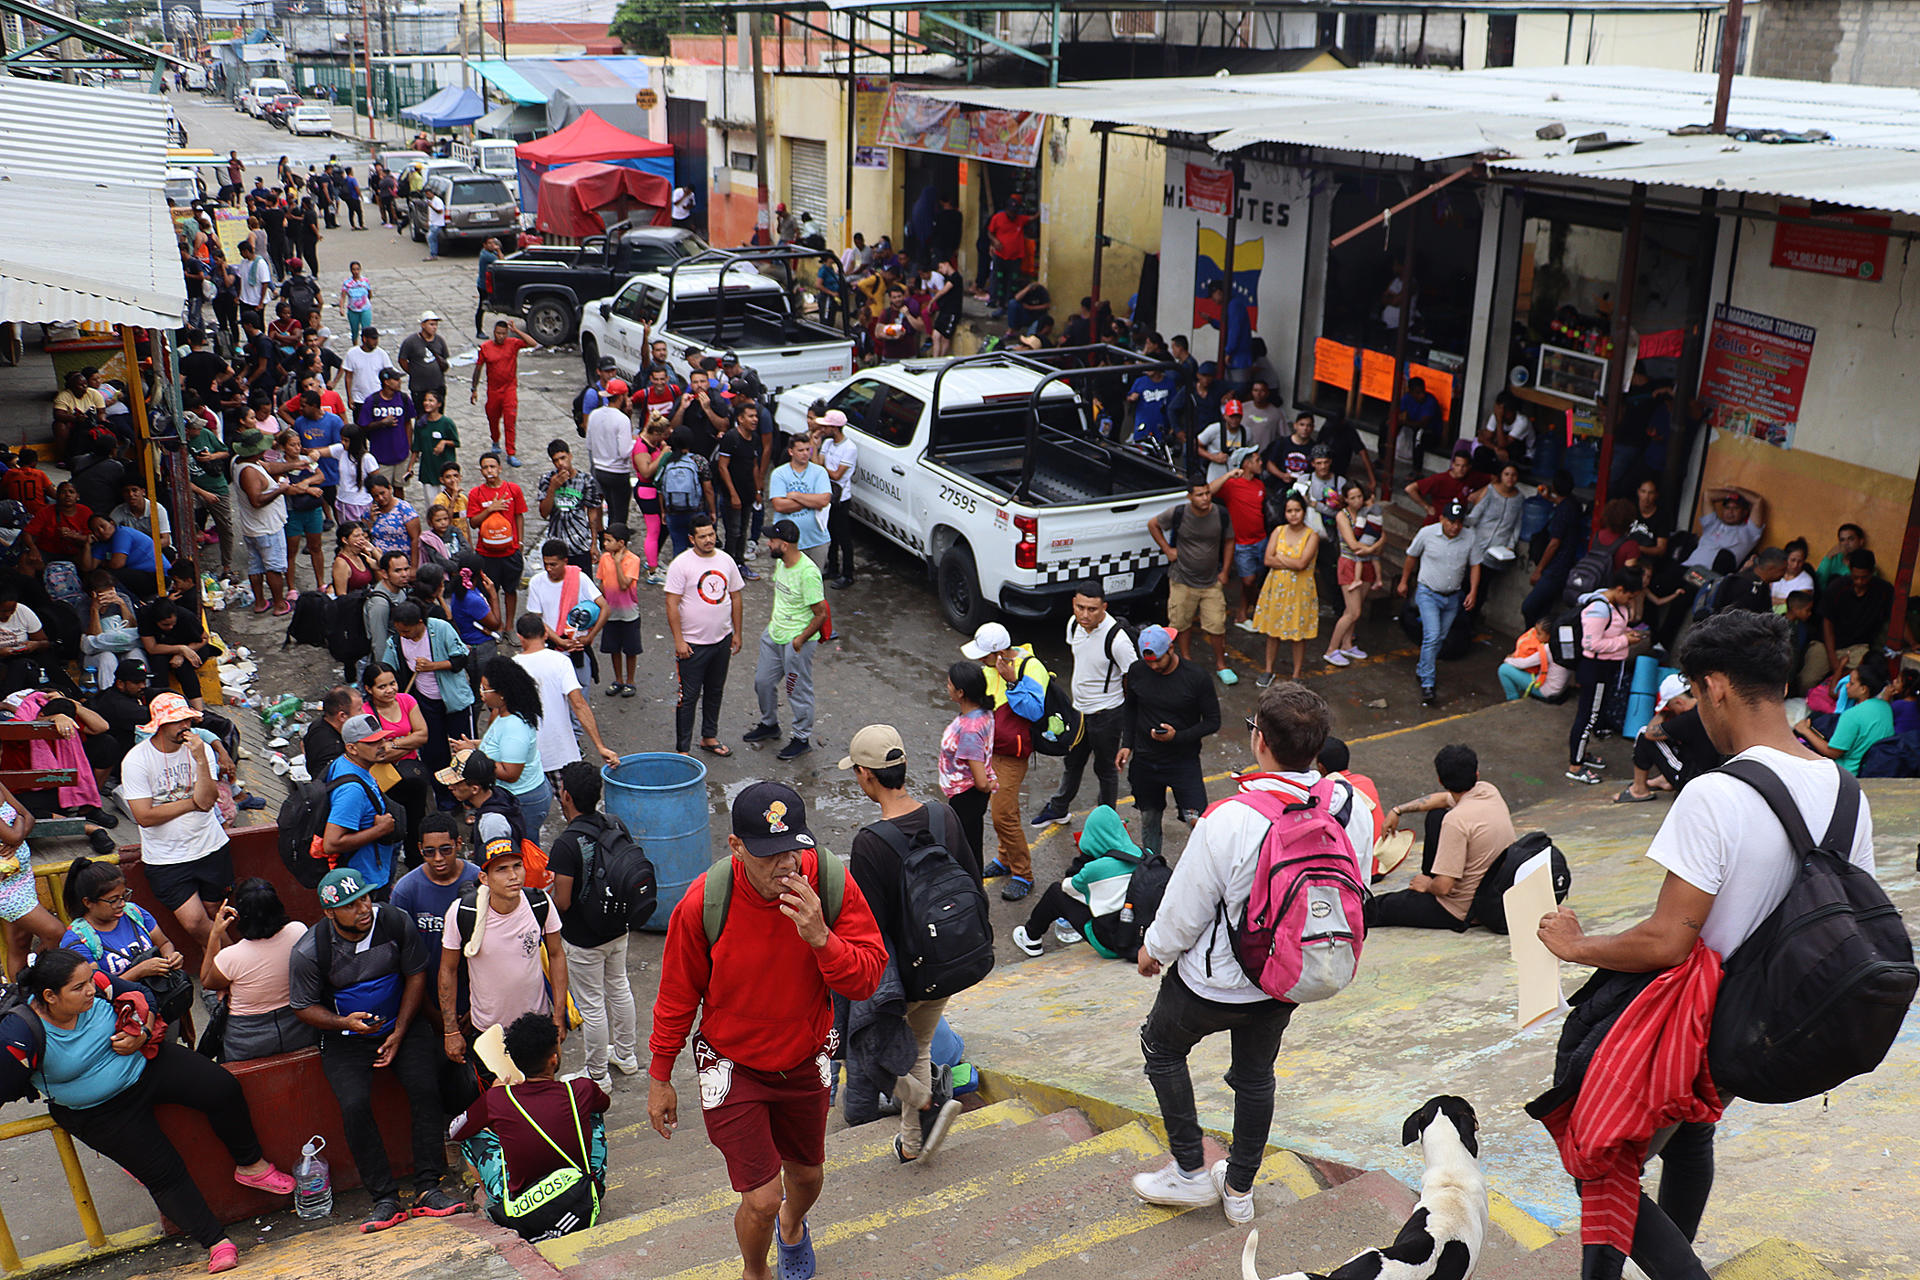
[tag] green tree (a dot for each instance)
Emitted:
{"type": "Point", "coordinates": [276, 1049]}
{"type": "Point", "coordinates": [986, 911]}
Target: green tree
{"type": "Point", "coordinates": [644, 26]}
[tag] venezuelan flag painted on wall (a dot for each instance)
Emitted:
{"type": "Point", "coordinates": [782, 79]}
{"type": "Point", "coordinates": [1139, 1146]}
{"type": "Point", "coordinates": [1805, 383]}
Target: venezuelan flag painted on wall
{"type": "Point", "coordinates": [1210, 264]}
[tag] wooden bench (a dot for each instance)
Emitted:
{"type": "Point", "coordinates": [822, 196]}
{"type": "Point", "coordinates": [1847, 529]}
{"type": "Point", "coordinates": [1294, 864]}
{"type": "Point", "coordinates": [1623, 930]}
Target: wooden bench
{"type": "Point", "coordinates": [19, 775]}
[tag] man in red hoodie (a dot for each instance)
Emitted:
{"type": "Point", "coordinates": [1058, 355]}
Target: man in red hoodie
{"type": "Point", "coordinates": [792, 928]}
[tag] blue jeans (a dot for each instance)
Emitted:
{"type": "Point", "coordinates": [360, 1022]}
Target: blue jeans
{"type": "Point", "coordinates": [1437, 612]}
{"type": "Point", "coordinates": [1544, 599]}
{"type": "Point", "coordinates": [534, 805]}
{"type": "Point", "coordinates": [433, 241]}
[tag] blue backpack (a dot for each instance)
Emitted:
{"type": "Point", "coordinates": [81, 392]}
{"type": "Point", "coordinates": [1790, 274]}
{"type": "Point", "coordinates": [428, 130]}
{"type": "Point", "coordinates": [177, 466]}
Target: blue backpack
{"type": "Point", "coordinates": [680, 485]}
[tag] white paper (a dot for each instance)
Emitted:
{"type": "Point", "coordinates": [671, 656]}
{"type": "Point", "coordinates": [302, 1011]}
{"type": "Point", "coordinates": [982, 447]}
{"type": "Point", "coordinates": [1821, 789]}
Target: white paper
{"type": "Point", "coordinates": [1538, 971]}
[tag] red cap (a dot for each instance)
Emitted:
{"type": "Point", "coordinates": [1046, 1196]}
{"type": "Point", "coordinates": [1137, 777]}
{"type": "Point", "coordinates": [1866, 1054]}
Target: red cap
{"type": "Point", "coordinates": [617, 387]}
{"type": "Point", "coordinates": [1229, 406]}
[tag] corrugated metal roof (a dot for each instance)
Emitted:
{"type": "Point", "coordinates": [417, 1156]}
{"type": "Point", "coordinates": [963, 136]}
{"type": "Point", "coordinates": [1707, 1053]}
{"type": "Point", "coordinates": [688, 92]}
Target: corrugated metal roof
{"type": "Point", "coordinates": [1872, 159]}
{"type": "Point", "coordinates": [82, 174]}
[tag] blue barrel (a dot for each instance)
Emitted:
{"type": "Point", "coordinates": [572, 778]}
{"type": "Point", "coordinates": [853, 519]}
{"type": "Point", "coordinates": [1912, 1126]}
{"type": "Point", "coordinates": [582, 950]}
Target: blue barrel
{"type": "Point", "coordinates": [662, 797]}
{"type": "Point", "coordinates": [1643, 693]}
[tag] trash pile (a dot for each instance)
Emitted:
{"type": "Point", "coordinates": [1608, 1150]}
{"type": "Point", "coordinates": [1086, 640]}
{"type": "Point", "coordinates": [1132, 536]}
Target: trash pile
{"type": "Point", "coordinates": [284, 718]}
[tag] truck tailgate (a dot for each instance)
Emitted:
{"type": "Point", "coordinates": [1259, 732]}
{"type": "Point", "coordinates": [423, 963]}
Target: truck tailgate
{"type": "Point", "coordinates": [1108, 543]}
{"type": "Point", "coordinates": [783, 367]}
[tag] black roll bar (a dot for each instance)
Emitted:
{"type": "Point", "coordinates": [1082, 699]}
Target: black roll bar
{"type": "Point", "coordinates": [728, 259]}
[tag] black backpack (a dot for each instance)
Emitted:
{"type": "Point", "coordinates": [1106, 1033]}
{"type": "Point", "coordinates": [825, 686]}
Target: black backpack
{"type": "Point", "coordinates": [309, 623]}
{"type": "Point", "coordinates": [1123, 931]}
{"type": "Point", "coordinates": [1489, 905]}
{"type": "Point", "coordinates": [1120, 627]}
{"type": "Point", "coordinates": [304, 294]}
{"type": "Point", "coordinates": [617, 890]}
{"type": "Point", "coordinates": [1817, 994]}
{"type": "Point", "coordinates": [579, 409]}
{"type": "Point", "coordinates": [466, 912]}
{"type": "Point", "coordinates": [303, 822]}
{"type": "Point", "coordinates": [1590, 572]}
{"type": "Point", "coordinates": [1060, 725]}
{"type": "Point", "coordinates": [1565, 639]}
{"type": "Point", "coordinates": [946, 942]}
{"type": "Point", "coordinates": [347, 637]}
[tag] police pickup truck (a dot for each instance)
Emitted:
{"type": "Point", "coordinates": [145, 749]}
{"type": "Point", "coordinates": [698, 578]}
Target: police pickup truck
{"type": "Point", "coordinates": [990, 470]}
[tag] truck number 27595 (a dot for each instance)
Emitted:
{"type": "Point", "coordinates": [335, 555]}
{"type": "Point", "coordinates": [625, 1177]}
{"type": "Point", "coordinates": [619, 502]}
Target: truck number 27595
{"type": "Point", "coordinates": [964, 501]}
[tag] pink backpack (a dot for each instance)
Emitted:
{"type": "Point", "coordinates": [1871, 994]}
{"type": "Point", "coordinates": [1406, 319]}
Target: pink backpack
{"type": "Point", "coordinates": [1300, 937]}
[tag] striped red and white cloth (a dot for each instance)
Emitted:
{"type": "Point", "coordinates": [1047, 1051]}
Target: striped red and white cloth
{"type": "Point", "coordinates": [1650, 1071]}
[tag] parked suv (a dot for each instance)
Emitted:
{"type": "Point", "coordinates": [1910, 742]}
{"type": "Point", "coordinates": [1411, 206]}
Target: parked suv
{"type": "Point", "coordinates": [478, 205]}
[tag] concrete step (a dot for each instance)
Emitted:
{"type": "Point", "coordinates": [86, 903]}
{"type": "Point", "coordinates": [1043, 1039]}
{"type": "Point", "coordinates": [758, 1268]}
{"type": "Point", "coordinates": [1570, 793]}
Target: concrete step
{"type": "Point", "coordinates": [1773, 1260]}
{"type": "Point", "coordinates": [889, 1228]}
{"type": "Point", "coordinates": [697, 1225]}
{"type": "Point", "coordinates": [1142, 1235]}
{"type": "Point", "coordinates": [1316, 1233]}
{"type": "Point", "coordinates": [650, 1178]}
{"type": "Point", "coordinates": [1555, 1261]}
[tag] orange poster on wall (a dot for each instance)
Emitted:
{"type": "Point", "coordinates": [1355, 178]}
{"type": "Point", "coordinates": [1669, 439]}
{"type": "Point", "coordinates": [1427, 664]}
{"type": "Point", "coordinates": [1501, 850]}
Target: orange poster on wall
{"type": "Point", "coordinates": [1376, 375]}
{"type": "Point", "coordinates": [1439, 383]}
{"type": "Point", "coordinates": [1333, 363]}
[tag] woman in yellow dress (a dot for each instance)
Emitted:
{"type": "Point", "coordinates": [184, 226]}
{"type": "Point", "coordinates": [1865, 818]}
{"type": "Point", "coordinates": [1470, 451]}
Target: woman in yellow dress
{"type": "Point", "coordinates": [1289, 607]}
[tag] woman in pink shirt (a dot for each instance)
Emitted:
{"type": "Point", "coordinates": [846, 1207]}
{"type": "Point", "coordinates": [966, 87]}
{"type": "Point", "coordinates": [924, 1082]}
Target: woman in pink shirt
{"type": "Point", "coordinates": [648, 452]}
{"type": "Point", "coordinates": [252, 972]}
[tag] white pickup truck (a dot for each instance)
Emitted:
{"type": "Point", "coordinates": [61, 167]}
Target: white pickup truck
{"type": "Point", "coordinates": [713, 302]}
{"type": "Point", "coordinates": [988, 469]}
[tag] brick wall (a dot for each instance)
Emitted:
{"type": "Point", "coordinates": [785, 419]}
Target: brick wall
{"type": "Point", "coordinates": [1842, 41]}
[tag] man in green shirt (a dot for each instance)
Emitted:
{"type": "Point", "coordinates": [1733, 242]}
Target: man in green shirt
{"type": "Point", "coordinates": [207, 458]}
{"type": "Point", "coordinates": [788, 643]}
{"type": "Point", "coordinates": [1868, 721]}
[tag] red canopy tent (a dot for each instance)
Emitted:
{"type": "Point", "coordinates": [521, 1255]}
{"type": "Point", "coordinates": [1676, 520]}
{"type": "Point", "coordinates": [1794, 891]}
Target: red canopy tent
{"type": "Point", "coordinates": [585, 199]}
{"type": "Point", "coordinates": [589, 138]}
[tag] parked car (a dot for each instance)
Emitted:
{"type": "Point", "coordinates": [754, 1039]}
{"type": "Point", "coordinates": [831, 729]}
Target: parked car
{"type": "Point", "coordinates": [183, 187]}
{"type": "Point", "coordinates": [478, 205]}
{"type": "Point", "coordinates": [701, 307]}
{"type": "Point", "coordinates": [489, 155]}
{"type": "Point", "coordinates": [259, 92]}
{"type": "Point", "coordinates": [283, 105]}
{"type": "Point", "coordinates": [549, 286]}
{"type": "Point", "coordinates": [988, 469]}
{"type": "Point", "coordinates": [310, 117]}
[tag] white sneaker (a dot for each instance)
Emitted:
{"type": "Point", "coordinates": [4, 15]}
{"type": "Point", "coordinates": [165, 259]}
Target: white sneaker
{"type": "Point", "coordinates": [1065, 934]}
{"type": "Point", "coordinates": [753, 549]}
{"type": "Point", "coordinates": [1356, 655]}
{"type": "Point", "coordinates": [627, 1066]}
{"type": "Point", "coordinates": [1239, 1205]}
{"type": "Point", "coordinates": [1175, 1188]}
{"type": "Point", "coordinates": [604, 1082]}
{"type": "Point", "coordinates": [1030, 945]}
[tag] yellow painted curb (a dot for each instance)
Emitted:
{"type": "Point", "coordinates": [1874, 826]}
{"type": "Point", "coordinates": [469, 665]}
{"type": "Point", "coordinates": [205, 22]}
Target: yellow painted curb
{"type": "Point", "coordinates": [1773, 1260]}
{"type": "Point", "coordinates": [70, 1255]}
{"type": "Point", "coordinates": [1527, 1231]}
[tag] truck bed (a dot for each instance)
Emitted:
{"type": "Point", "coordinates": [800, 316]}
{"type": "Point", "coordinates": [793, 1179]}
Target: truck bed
{"type": "Point", "coordinates": [751, 329]}
{"type": "Point", "coordinates": [1066, 471]}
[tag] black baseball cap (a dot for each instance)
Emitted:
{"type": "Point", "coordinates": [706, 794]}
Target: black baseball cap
{"type": "Point", "coordinates": [771, 819]}
{"type": "Point", "coordinates": [1455, 510]}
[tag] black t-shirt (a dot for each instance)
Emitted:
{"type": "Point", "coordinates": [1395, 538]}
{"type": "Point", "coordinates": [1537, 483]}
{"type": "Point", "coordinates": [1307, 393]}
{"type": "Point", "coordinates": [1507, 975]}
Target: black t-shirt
{"type": "Point", "coordinates": [565, 859]}
{"type": "Point", "coordinates": [1647, 530]}
{"type": "Point", "coordinates": [1744, 590]}
{"type": "Point", "coordinates": [741, 454]}
{"type": "Point", "coordinates": [876, 867]}
{"type": "Point", "coordinates": [122, 712]}
{"type": "Point", "coordinates": [1564, 524]}
{"type": "Point", "coordinates": [705, 438]}
{"type": "Point", "coordinates": [1857, 619]}
{"type": "Point", "coordinates": [186, 624]}
{"type": "Point", "coordinates": [99, 485]}
{"type": "Point", "coordinates": [1343, 442]}
{"type": "Point", "coordinates": [201, 370]}
{"type": "Point", "coordinates": [1689, 740]}
{"type": "Point", "coordinates": [323, 746]}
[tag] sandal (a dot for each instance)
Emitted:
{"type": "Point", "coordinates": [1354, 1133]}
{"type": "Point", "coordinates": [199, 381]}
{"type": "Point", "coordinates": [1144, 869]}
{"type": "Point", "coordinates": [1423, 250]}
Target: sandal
{"type": "Point", "coordinates": [263, 606]}
{"type": "Point", "coordinates": [224, 1256]}
{"type": "Point", "coordinates": [720, 749]}
{"type": "Point", "coordinates": [282, 609]}
{"type": "Point", "coordinates": [272, 1181]}
{"type": "Point", "coordinates": [1627, 797]}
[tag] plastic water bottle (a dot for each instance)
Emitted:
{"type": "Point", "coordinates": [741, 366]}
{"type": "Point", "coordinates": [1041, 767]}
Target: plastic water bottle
{"type": "Point", "coordinates": [312, 1184]}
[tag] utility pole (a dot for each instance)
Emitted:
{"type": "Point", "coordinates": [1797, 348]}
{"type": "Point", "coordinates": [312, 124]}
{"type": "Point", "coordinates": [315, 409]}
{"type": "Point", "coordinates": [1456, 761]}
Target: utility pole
{"type": "Point", "coordinates": [1729, 54]}
{"type": "Point", "coordinates": [465, 82]}
{"type": "Point", "coordinates": [762, 224]}
{"type": "Point", "coordinates": [503, 30]}
{"type": "Point", "coordinates": [366, 63]}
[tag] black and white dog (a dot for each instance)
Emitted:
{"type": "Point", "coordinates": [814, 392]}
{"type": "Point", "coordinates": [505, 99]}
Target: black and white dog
{"type": "Point", "coordinates": [1442, 1240]}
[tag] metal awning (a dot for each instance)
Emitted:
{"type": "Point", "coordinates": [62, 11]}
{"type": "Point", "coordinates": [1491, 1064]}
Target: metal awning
{"type": "Point", "coordinates": [82, 174]}
{"type": "Point", "coordinates": [1869, 158]}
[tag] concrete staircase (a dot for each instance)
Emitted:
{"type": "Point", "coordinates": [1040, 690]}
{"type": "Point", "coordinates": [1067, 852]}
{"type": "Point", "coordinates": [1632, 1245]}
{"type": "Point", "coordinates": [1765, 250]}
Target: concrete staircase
{"type": "Point", "coordinates": [1015, 1193]}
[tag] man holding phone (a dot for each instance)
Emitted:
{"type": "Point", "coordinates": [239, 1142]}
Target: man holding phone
{"type": "Point", "coordinates": [1171, 707]}
{"type": "Point", "coordinates": [359, 975]}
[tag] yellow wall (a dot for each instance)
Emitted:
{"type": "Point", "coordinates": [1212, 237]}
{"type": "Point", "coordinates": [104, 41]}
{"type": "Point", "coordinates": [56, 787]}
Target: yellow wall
{"type": "Point", "coordinates": [1069, 192]}
{"type": "Point", "coordinates": [1810, 497]}
{"type": "Point", "coordinates": [816, 107]}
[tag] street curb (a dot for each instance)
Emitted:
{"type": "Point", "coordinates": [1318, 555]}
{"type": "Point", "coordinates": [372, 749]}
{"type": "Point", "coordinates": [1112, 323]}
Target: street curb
{"type": "Point", "coordinates": [1773, 1260]}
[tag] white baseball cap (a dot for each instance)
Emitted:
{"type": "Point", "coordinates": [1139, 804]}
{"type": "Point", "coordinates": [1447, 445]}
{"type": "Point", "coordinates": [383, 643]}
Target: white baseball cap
{"type": "Point", "coordinates": [991, 638]}
{"type": "Point", "coordinates": [430, 315]}
{"type": "Point", "coordinates": [1674, 686]}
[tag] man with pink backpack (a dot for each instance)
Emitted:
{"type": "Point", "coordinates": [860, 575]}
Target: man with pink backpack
{"type": "Point", "coordinates": [1263, 913]}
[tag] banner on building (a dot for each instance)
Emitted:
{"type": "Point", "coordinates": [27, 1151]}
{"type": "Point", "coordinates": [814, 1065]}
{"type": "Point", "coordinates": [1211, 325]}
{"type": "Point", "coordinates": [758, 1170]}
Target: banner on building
{"type": "Point", "coordinates": [1209, 190]}
{"type": "Point", "coordinates": [1210, 267]}
{"type": "Point", "coordinates": [1755, 374]}
{"type": "Point", "coordinates": [920, 123]}
{"type": "Point", "coordinates": [869, 108]}
{"type": "Point", "coordinates": [1832, 251]}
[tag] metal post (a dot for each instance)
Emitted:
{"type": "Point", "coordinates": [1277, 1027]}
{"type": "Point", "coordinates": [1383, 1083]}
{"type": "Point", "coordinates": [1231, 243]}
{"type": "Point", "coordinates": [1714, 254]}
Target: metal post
{"type": "Point", "coordinates": [77, 1185]}
{"type": "Point", "coordinates": [138, 393]}
{"type": "Point", "coordinates": [1053, 49]}
{"type": "Point", "coordinates": [1622, 327]}
{"type": "Point", "coordinates": [1699, 305]}
{"type": "Point", "coordinates": [1233, 229]}
{"type": "Point", "coordinates": [853, 132]}
{"type": "Point", "coordinates": [366, 63]}
{"type": "Point", "coordinates": [1390, 443]}
{"type": "Point", "coordinates": [503, 30]}
{"type": "Point", "coordinates": [466, 81]}
{"type": "Point", "coordinates": [762, 224]}
{"type": "Point", "coordinates": [1729, 52]}
{"type": "Point", "coordinates": [1100, 227]}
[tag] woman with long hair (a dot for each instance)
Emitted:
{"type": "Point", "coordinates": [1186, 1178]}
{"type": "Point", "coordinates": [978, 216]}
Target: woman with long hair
{"type": "Point", "coordinates": [474, 609]}
{"type": "Point", "coordinates": [1362, 535]}
{"type": "Point", "coordinates": [1289, 606]}
{"type": "Point", "coordinates": [352, 501]}
{"type": "Point", "coordinates": [103, 1075]}
{"type": "Point", "coordinates": [965, 760]}
{"type": "Point", "coordinates": [389, 699]}
{"type": "Point", "coordinates": [649, 452]}
{"type": "Point", "coordinates": [354, 560]}
{"type": "Point", "coordinates": [512, 739]}
{"type": "Point", "coordinates": [251, 971]}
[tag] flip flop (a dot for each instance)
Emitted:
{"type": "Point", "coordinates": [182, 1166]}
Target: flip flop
{"type": "Point", "coordinates": [716, 748]}
{"type": "Point", "coordinates": [263, 606]}
{"type": "Point", "coordinates": [1627, 797]}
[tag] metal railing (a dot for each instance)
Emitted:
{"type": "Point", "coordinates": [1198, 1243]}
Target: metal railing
{"type": "Point", "coordinates": [96, 1238]}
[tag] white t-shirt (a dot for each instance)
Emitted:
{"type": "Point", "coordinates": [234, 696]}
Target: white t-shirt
{"type": "Point", "coordinates": [705, 585]}
{"type": "Point", "coordinates": [1520, 429]}
{"type": "Point", "coordinates": [353, 488]}
{"type": "Point", "coordinates": [553, 672]}
{"type": "Point", "coordinates": [1721, 838]}
{"type": "Point", "coordinates": [543, 596]}
{"type": "Point", "coordinates": [841, 453]}
{"type": "Point", "coordinates": [436, 211]}
{"type": "Point", "coordinates": [610, 438]}
{"type": "Point", "coordinates": [15, 630]}
{"type": "Point", "coordinates": [1801, 581]}
{"type": "Point", "coordinates": [1098, 683]}
{"type": "Point", "coordinates": [1214, 439]}
{"type": "Point", "coordinates": [363, 367]}
{"type": "Point", "coordinates": [149, 773]}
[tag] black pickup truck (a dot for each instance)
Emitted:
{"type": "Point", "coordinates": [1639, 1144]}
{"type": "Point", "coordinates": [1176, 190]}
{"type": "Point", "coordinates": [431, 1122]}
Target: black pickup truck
{"type": "Point", "coordinates": [548, 286]}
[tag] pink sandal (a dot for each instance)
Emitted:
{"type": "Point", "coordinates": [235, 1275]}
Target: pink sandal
{"type": "Point", "coordinates": [263, 606]}
{"type": "Point", "coordinates": [282, 609]}
{"type": "Point", "coordinates": [272, 1181]}
{"type": "Point", "coordinates": [224, 1256]}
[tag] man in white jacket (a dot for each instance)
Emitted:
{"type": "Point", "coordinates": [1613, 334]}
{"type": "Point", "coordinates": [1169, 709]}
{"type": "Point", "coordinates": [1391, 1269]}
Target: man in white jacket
{"type": "Point", "coordinates": [1205, 991]}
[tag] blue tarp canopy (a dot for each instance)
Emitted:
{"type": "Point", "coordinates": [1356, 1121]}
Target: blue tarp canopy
{"type": "Point", "coordinates": [451, 106]}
